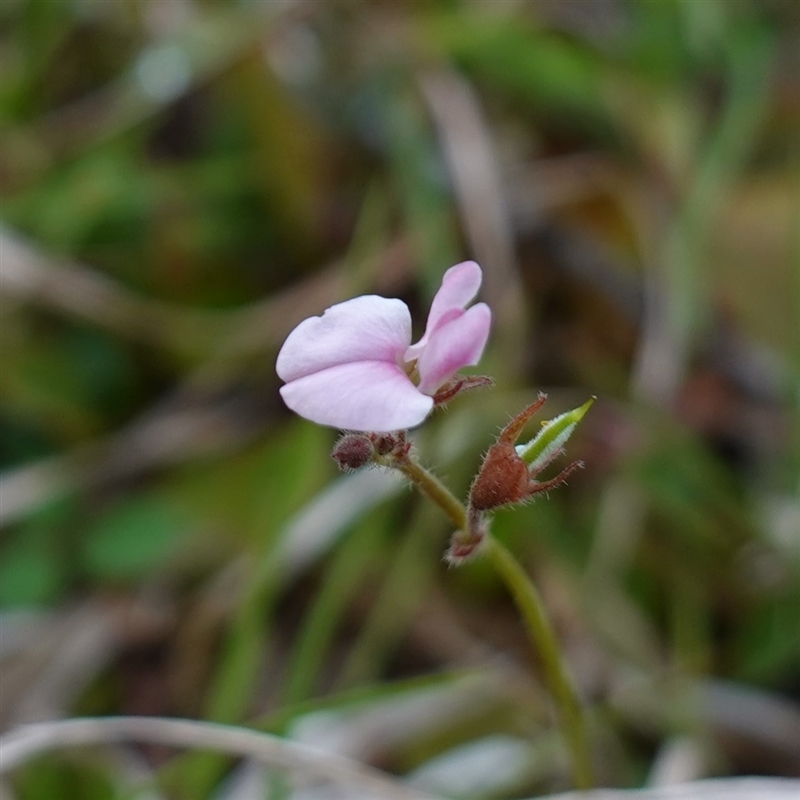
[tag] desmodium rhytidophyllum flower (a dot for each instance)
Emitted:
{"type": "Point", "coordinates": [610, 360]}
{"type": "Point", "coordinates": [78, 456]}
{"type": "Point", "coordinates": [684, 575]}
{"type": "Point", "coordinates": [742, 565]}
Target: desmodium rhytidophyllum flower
{"type": "Point", "coordinates": [355, 367]}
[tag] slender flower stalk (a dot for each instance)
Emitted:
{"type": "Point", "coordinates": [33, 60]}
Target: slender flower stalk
{"type": "Point", "coordinates": [542, 636]}
{"type": "Point", "coordinates": [433, 488]}
{"type": "Point", "coordinates": [529, 603]}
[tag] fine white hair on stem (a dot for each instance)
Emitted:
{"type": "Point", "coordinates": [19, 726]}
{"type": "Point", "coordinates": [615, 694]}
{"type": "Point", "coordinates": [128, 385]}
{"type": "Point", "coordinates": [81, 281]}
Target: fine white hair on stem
{"type": "Point", "coordinates": [28, 741]}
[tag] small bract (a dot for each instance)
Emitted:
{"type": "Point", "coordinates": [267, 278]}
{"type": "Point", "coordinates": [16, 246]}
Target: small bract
{"type": "Point", "coordinates": [355, 367]}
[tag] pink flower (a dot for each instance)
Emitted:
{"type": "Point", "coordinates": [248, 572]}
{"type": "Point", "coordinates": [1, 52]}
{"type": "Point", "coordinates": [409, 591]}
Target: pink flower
{"type": "Point", "coordinates": [353, 366]}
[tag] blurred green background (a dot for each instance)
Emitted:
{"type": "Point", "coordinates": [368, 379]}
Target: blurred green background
{"type": "Point", "coordinates": [183, 181]}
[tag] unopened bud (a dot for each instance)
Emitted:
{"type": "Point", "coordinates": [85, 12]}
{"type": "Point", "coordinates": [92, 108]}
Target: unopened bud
{"type": "Point", "coordinates": [353, 451]}
{"type": "Point", "coordinates": [387, 443]}
{"type": "Point", "coordinates": [503, 479]}
{"type": "Point", "coordinates": [466, 544]}
{"type": "Point", "coordinates": [508, 472]}
{"type": "Point", "coordinates": [550, 440]}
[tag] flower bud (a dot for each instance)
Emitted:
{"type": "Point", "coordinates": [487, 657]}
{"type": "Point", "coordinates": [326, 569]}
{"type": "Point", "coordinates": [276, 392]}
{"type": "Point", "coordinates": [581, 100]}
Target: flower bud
{"type": "Point", "coordinates": [353, 451]}
{"type": "Point", "coordinates": [386, 444]}
{"type": "Point", "coordinates": [508, 472]}
{"type": "Point", "coordinates": [503, 479]}
{"type": "Point", "coordinates": [466, 544]}
{"type": "Point", "coordinates": [550, 440]}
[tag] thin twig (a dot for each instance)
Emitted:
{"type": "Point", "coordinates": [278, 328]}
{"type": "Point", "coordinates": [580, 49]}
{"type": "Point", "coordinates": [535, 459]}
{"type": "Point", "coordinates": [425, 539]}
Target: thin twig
{"type": "Point", "coordinates": [29, 741]}
{"type": "Point", "coordinates": [715, 789]}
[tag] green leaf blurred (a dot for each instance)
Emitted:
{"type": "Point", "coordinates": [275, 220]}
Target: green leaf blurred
{"type": "Point", "coordinates": [134, 538]}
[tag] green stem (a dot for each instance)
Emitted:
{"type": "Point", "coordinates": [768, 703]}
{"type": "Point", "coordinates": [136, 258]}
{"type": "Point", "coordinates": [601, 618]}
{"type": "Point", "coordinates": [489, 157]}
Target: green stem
{"type": "Point", "coordinates": [543, 637]}
{"type": "Point", "coordinates": [529, 604]}
{"type": "Point", "coordinates": [431, 486]}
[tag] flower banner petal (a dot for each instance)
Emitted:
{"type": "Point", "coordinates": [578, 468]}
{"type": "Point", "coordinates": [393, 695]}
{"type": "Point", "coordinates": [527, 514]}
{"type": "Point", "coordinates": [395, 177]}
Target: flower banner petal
{"type": "Point", "coordinates": [459, 286]}
{"type": "Point", "coordinates": [456, 344]}
{"type": "Point", "coordinates": [367, 328]}
{"type": "Point", "coordinates": [362, 396]}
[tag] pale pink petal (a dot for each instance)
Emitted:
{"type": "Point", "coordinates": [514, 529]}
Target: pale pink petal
{"type": "Point", "coordinates": [459, 286]}
{"type": "Point", "coordinates": [367, 328]}
{"type": "Point", "coordinates": [363, 396]}
{"type": "Point", "coordinates": [415, 350]}
{"type": "Point", "coordinates": [456, 344]}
